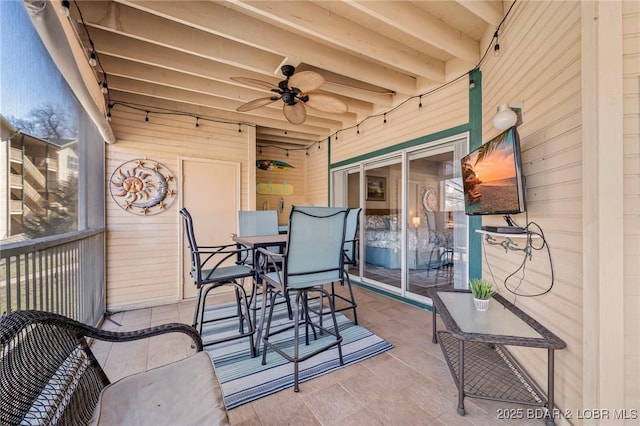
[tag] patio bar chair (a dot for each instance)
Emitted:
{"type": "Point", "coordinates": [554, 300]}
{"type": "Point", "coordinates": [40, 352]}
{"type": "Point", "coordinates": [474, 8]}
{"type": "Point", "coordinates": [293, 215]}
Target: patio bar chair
{"type": "Point", "coordinates": [313, 257]}
{"type": "Point", "coordinates": [213, 267]}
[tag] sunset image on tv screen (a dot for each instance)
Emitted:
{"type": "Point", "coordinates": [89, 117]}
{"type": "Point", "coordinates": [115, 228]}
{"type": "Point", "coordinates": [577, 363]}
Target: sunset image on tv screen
{"type": "Point", "coordinates": [490, 179]}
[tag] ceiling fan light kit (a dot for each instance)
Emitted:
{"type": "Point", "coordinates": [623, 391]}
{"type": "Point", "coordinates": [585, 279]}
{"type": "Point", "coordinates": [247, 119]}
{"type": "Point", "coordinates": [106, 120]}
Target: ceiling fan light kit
{"type": "Point", "coordinates": [296, 91]}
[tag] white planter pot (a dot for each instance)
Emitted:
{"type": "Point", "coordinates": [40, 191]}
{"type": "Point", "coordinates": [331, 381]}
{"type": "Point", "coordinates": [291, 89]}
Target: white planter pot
{"type": "Point", "coordinates": [481, 305]}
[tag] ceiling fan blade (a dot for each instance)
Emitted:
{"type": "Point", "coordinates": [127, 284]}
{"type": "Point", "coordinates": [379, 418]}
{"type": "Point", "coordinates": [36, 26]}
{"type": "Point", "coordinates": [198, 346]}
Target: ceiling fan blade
{"type": "Point", "coordinates": [255, 83]}
{"type": "Point", "coordinates": [296, 113]}
{"type": "Point", "coordinates": [306, 81]}
{"type": "Point", "coordinates": [257, 103]}
{"type": "Point", "coordinates": [325, 103]}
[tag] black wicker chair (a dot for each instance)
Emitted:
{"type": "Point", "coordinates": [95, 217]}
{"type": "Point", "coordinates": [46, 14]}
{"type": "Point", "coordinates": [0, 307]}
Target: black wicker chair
{"type": "Point", "coordinates": [49, 375]}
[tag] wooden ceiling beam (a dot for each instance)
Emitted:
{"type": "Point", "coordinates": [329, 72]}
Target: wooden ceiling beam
{"type": "Point", "coordinates": [230, 23]}
{"type": "Point", "coordinates": [423, 26]}
{"type": "Point", "coordinates": [208, 112]}
{"type": "Point", "coordinates": [489, 11]}
{"type": "Point", "coordinates": [346, 34]}
{"type": "Point", "coordinates": [170, 93]}
{"type": "Point", "coordinates": [159, 31]}
{"type": "Point", "coordinates": [148, 73]}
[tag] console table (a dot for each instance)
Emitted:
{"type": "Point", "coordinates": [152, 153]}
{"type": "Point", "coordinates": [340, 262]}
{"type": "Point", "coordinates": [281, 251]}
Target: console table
{"type": "Point", "coordinates": [474, 348]}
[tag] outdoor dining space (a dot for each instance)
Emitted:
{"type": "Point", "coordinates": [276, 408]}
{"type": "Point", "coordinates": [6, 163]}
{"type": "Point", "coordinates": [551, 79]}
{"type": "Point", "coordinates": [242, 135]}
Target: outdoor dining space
{"type": "Point", "coordinates": [380, 367]}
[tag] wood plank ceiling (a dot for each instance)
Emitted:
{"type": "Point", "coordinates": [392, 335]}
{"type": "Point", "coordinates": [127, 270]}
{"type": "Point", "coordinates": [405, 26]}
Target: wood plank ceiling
{"type": "Point", "coordinates": [181, 55]}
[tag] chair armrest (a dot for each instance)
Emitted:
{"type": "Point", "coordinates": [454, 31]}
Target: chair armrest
{"type": "Point", "coordinates": [10, 324]}
{"type": "Point", "coordinates": [271, 254]}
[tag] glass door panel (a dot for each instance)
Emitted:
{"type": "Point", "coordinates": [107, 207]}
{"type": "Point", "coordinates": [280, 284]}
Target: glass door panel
{"type": "Point", "coordinates": [437, 238]}
{"type": "Point", "coordinates": [383, 237]}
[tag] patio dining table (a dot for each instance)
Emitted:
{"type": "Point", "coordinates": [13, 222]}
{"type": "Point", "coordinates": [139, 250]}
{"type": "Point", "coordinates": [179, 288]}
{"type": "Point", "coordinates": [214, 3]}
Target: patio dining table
{"type": "Point", "coordinates": [255, 242]}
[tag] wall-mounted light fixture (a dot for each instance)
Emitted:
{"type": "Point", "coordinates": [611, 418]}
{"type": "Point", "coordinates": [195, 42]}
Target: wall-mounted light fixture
{"type": "Point", "coordinates": [509, 115]}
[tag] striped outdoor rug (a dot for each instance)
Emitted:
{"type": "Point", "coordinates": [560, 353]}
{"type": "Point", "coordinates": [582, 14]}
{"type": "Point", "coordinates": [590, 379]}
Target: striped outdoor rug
{"type": "Point", "coordinates": [245, 379]}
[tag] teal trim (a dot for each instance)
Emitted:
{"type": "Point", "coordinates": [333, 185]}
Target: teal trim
{"type": "Point", "coordinates": [329, 170]}
{"type": "Point", "coordinates": [404, 145]}
{"type": "Point", "coordinates": [475, 140]}
{"type": "Point", "coordinates": [393, 296]}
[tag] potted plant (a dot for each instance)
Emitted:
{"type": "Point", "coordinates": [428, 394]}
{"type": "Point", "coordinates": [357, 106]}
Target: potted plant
{"type": "Point", "coordinates": [482, 291]}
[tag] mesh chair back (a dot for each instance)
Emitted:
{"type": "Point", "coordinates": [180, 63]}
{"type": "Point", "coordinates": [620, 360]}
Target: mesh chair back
{"type": "Point", "coordinates": [314, 246]}
{"type": "Point", "coordinates": [263, 222]}
{"type": "Point", "coordinates": [351, 230]}
{"type": "Point", "coordinates": [252, 223]}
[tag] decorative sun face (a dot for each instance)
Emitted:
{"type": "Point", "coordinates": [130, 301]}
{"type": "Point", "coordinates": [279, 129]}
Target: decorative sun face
{"type": "Point", "coordinates": [133, 184]}
{"type": "Point", "coordinates": [142, 189]}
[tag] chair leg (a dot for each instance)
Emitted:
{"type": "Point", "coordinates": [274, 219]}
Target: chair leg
{"type": "Point", "coordinates": [265, 337]}
{"type": "Point", "coordinates": [196, 313]}
{"type": "Point", "coordinates": [335, 326]}
{"type": "Point", "coordinates": [296, 336]}
{"type": "Point", "coordinates": [353, 300]}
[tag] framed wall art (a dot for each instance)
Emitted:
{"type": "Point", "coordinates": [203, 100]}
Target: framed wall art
{"type": "Point", "coordinates": [376, 188]}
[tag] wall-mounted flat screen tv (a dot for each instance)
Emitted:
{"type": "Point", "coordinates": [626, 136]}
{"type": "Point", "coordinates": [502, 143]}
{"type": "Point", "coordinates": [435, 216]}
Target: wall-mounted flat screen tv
{"type": "Point", "coordinates": [492, 177]}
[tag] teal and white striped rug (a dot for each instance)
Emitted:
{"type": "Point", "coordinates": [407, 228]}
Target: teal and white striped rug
{"type": "Point", "coordinates": [245, 379]}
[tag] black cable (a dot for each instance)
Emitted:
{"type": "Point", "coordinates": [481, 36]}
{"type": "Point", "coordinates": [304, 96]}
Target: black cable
{"type": "Point", "coordinates": [522, 266]}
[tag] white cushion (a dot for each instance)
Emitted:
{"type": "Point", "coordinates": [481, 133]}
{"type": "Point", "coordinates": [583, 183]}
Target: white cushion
{"type": "Point", "coordinates": [185, 392]}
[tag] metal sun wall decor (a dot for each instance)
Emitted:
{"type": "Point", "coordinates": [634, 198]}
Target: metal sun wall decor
{"type": "Point", "coordinates": [143, 187]}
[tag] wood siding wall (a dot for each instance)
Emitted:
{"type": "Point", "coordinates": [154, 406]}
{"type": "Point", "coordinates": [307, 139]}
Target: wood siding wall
{"type": "Point", "coordinates": [143, 259]}
{"type": "Point", "coordinates": [294, 177]}
{"type": "Point", "coordinates": [540, 64]}
{"type": "Point", "coordinates": [631, 248]}
{"type": "Point", "coordinates": [443, 109]}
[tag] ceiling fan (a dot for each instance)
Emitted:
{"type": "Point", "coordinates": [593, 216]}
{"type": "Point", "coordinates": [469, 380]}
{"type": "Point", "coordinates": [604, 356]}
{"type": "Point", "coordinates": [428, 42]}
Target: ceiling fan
{"type": "Point", "coordinates": [296, 92]}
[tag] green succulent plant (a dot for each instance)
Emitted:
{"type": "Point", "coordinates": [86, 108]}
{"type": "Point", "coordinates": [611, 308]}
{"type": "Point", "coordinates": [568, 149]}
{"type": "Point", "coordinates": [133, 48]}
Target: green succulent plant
{"type": "Point", "coordinates": [481, 288]}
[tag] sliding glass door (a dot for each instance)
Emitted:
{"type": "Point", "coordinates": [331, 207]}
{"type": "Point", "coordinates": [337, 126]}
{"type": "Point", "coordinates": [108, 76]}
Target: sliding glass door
{"type": "Point", "coordinates": [413, 230]}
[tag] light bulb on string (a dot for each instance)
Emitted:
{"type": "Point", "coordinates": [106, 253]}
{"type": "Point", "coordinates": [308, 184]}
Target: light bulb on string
{"type": "Point", "coordinates": [239, 128]}
{"type": "Point", "coordinates": [496, 47]}
{"type": "Point", "coordinates": [104, 88]}
{"type": "Point", "coordinates": [197, 121]}
{"type": "Point", "coordinates": [472, 84]}
{"type": "Point", "coordinates": [146, 118]}
{"type": "Point", "coordinates": [93, 60]}
{"type": "Point", "coordinates": [64, 8]}
{"type": "Point", "coordinates": [420, 103]}
{"type": "Point", "coordinates": [358, 129]}
{"type": "Point", "coordinates": [385, 118]}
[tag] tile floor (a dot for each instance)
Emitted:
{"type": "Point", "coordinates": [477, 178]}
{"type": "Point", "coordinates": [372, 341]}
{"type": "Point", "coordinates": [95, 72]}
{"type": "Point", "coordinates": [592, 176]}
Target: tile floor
{"type": "Point", "coordinates": [408, 385]}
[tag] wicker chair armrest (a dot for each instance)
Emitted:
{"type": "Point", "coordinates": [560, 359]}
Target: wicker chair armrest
{"type": "Point", "coordinates": [79, 329]}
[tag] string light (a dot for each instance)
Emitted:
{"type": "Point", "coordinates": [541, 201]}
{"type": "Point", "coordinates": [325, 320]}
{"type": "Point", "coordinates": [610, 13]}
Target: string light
{"type": "Point", "coordinates": [306, 152]}
{"type": "Point", "coordinates": [319, 145]}
{"type": "Point", "coordinates": [104, 87]}
{"type": "Point", "coordinates": [358, 128]}
{"type": "Point", "coordinates": [420, 104]}
{"type": "Point", "coordinates": [287, 153]}
{"type": "Point", "coordinates": [496, 47]}
{"type": "Point", "coordinates": [146, 119]}
{"type": "Point", "coordinates": [239, 128]}
{"type": "Point", "coordinates": [109, 112]}
{"type": "Point", "coordinates": [197, 121]}
{"type": "Point", "coordinates": [385, 118]}
{"type": "Point", "coordinates": [93, 61]}
{"type": "Point", "coordinates": [64, 8]}
{"type": "Point", "coordinates": [472, 84]}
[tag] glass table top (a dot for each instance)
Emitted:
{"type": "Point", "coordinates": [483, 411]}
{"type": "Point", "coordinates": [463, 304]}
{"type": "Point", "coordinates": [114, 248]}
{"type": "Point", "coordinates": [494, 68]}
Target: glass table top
{"type": "Point", "coordinates": [497, 320]}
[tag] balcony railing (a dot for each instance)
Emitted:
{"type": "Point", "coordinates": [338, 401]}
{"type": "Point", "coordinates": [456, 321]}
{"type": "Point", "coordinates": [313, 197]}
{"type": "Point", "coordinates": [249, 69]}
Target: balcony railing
{"type": "Point", "coordinates": [63, 274]}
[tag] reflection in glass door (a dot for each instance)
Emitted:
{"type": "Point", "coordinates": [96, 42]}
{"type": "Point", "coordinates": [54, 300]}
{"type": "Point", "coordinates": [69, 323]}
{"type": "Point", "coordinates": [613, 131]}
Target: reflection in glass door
{"type": "Point", "coordinates": [383, 223]}
{"type": "Point", "coordinates": [436, 243]}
